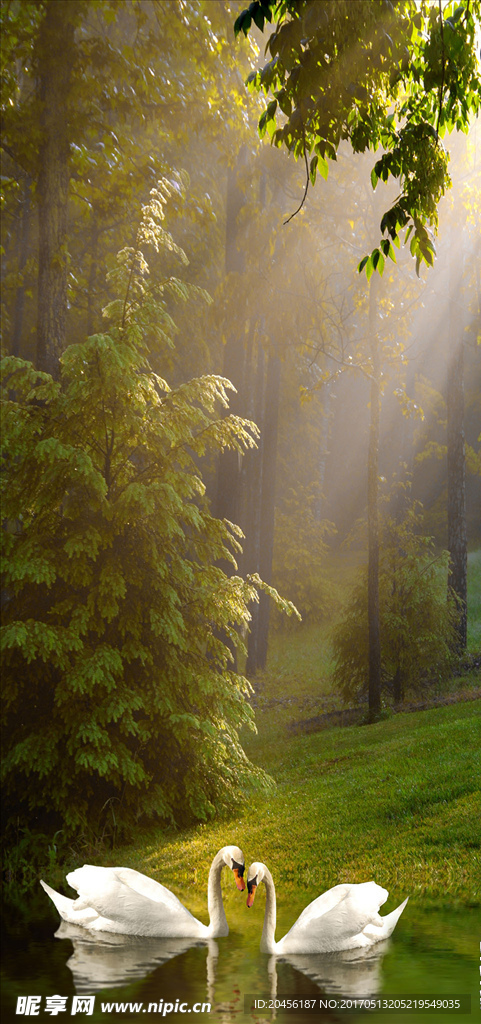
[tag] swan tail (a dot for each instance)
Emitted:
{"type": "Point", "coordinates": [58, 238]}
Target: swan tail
{"type": "Point", "coordinates": [387, 925]}
{"type": "Point", "coordinates": [68, 909]}
{"type": "Point", "coordinates": [390, 921]}
{"type": "Point", "coordinates": [62, 903]}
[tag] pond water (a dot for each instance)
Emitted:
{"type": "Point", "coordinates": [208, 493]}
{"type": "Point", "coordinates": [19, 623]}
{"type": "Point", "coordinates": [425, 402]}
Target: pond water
{"type": "Point", "coordinates": [434, 952]}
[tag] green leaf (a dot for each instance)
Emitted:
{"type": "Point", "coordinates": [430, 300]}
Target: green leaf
{"type": "Point", "coordinates": [323, 167]}
{"type": "Point", "coordinates": [284, 101]}
{"type": "Point", "coordinates": [261, 127]}
{"type": "Point", "coordinates": [242, 23]}
{"type": "Point", "coordinates": [258, 15]}
{"type": "Point", "coordinates": [313, 167]}
{"type": "Point", "coordinates": [387, 249]}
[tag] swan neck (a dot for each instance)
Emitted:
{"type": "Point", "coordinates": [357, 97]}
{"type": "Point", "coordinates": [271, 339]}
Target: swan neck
{"type": "Point", "coordinates": [215, 904]}
{"type": "Point", "coordinates": [268, 943]}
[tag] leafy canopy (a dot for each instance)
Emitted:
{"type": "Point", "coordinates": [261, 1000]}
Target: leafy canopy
{"type": "Point", "coordinates": [120, 700]}
{"type": "Point", "coordinates": [392, 75]}
{"type": "Point", "coordinates": [147, 93]}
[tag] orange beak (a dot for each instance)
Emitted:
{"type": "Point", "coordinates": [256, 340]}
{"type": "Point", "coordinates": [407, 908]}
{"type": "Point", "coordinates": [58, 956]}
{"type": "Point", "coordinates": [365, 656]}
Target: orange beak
{"type": "Point", "coordinates": [251, 896]}
{"type": "Point", "coordinates": [239, 881]}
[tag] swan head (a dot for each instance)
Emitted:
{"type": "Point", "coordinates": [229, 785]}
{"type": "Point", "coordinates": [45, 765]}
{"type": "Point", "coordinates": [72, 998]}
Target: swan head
{"type": "Point", "coordinates": [234, 859]}
{"type": "Point", "coordinates": [255, 876]}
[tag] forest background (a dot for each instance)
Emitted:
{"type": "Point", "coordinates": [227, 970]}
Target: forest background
{"type": "Point", "coordinates": [146, 264]}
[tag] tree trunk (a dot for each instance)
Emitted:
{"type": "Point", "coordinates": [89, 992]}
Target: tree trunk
{"type": "Point", "coordinates": [324, 439]}
{"type": "Point", "coordinates": [23, 242]}
{"type": "Point", "coordinates": [398, 687]}
{"type": "Point", "coordinates": [56, 57]}
{"type": "Point", "coordinates": [253, 498]}
{"type": "Point", "coordinates": [269, 460]}
{"type": "Point", "coordinates": [457, 535]}
{"type": "Point", "coordinates": [227, 504]}
{"type": "Point", "coordinates": [259, 524]}
{"type": "Point", "coordinates": [91, 293]}
{"type": "Point", "coordinates": [403, 432]}
{"type": "Point", "coordinates": [373, 521]}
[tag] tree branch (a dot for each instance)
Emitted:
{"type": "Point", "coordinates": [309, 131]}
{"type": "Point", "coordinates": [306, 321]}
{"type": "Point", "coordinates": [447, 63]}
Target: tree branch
{"type": "Point", "coordinates": [307, 182]}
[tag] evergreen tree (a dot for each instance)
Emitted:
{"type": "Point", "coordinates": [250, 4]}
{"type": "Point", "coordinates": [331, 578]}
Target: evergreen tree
{"type": "Point", "coordinates": [119, 697]}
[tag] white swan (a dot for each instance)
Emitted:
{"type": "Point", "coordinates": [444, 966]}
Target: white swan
{"type": "Point", "coordinates": [345, 917]}
{"type": "Point", "coordinates": [125, 901]}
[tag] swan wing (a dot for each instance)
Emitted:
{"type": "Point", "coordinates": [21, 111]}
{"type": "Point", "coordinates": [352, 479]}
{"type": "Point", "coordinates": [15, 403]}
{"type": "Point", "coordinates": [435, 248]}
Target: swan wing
{"type": "Point", "coordinates": [91, 878]}
{"type": "Point", "coordinates": [138, 904]}
{"type": "Point", "coordinates": [148, 887]}
{"type": "Point", "coordinates": [336, 920]}
{"type": "Point", "coordinates": [387, 926]}
{"type": "Point", "coordinates": [85, 917]}
{"type": "Point", "coordinates": [323, 904]}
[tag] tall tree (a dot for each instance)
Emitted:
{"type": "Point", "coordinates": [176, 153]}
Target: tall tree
{"type": "Point", "coordinates": [373, 516]}
{"type": "Point", "coordinates": [115, 601]}
{"type": "Point", "coordinates": [110, 116]}
{"type": "Point", "coordinates": [23, 234]}
{"type": "Point", "coordinates": [228, 498]}
{"type": "Point", "coordinates": [457, 533]}
{"type": "Point", "coordinates": [455, 411]}
{"type": "Point", "coordinates": [55, 58]}
{"type": "Point", "coordinates": [246, 491]}
{"type": "Point", "coordinates": [268, 493]}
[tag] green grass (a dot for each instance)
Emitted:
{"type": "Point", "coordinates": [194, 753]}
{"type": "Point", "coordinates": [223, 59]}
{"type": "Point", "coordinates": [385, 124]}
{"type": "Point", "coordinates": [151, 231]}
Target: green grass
{"type": "Point", "coordinates": [299, 660]}
{"type": "Point", "coordinates": [397, 801]}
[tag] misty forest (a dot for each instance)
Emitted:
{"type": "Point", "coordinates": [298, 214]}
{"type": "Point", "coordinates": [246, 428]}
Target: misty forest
{"type": "Point", "coordinates": [241, 473]}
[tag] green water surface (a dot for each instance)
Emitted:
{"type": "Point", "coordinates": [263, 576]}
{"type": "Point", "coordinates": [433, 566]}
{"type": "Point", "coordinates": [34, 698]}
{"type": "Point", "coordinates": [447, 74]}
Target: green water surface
{"type": "Point", "coordinates": [434, 951]}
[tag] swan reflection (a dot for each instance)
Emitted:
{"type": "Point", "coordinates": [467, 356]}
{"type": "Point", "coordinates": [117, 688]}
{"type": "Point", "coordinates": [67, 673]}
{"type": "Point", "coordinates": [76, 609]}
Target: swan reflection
{"type": "Point", "coordinates": [350, 973]}
{"type": "Point", "coordinates": [109, 960]}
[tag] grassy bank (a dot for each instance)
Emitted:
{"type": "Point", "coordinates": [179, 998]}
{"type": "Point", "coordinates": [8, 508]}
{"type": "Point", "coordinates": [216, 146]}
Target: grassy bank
{"type": "Point", "coordinates": [398, 801]}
